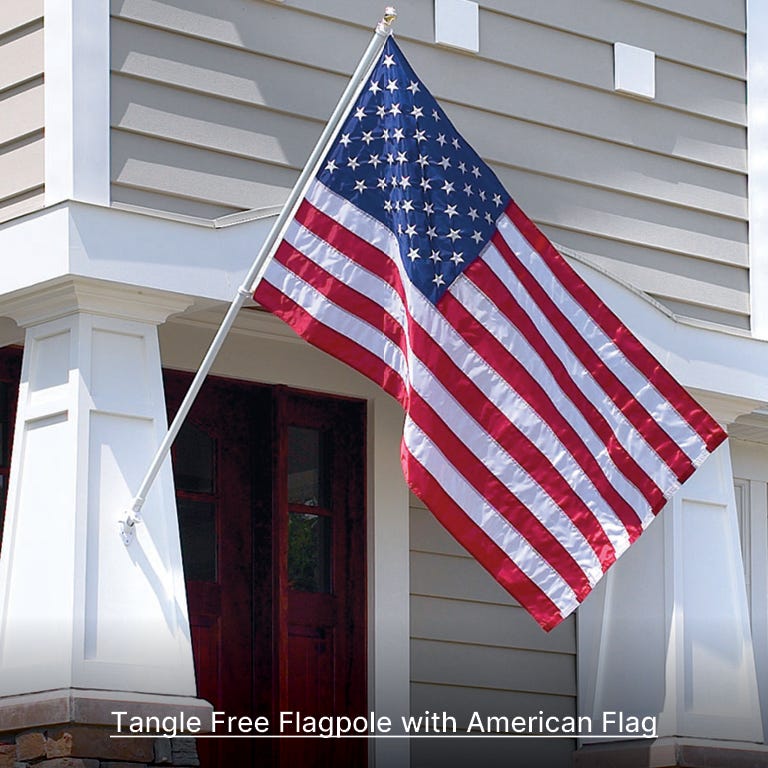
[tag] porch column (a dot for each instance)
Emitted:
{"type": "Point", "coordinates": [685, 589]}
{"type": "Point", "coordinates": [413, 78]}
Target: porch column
{"type": "Point", "coordinates": [84, 619]}
{"type": "Point", "coordinates": [667, 634]}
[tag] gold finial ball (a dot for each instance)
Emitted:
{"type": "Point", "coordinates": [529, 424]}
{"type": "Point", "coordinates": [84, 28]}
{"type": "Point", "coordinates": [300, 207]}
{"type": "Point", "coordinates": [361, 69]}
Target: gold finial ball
{"type": "Point", "coordinates": [390, 14]}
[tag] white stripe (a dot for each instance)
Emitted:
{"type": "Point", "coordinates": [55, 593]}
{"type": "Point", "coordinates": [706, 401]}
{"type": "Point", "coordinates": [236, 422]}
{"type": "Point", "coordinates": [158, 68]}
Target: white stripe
{"type": "Point", "coordinates": [509, 473]}
{"type": "Point", "coordinates": [660, 409]}
{"type": "Point", "coordinates": [332, 316]}
{"type": "Point", "coordinates": [495, 526]}
{"type": "Point", "coordinates": [488, 315]}
{"type": "Point", "coordinates": [631, 440]}
{"type": "Point", "coordinates": [348, 272]}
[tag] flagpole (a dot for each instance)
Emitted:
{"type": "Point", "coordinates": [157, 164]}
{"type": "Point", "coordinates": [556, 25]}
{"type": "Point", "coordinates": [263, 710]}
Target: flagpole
{"type": "Point", "coordinates": [383, 29]}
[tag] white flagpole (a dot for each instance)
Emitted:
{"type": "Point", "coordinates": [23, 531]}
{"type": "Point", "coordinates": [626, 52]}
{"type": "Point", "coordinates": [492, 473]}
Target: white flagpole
{"type": "Point", "coordinates": [383, 30]}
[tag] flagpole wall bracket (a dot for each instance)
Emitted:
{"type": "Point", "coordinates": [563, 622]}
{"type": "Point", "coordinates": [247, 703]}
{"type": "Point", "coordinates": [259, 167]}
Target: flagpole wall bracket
{"type": "Point", "coordinates": [127, 525]}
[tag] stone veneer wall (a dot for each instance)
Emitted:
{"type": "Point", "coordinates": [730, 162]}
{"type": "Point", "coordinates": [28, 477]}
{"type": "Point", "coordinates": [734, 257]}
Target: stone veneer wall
{"type": "Point", "coordinates": [91, 747]}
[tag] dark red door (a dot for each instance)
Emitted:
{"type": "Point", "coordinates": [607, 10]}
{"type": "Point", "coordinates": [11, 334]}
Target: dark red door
{"type": "Point", "coordinates": [270, 491]}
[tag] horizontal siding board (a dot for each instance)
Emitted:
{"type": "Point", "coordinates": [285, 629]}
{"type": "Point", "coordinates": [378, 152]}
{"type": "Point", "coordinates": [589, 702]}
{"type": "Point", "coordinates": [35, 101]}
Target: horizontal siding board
{"type": "Point", "coordinates": [496, 668]}
{"type": "Point", "coordinates": [21, 59]}
{"type": "Point", "coordinates": [21, 167]}
{"type": "Point", "coordinates": [731, 14]}
{"type": "Point", "coordinates": [676, 38]}
{"type": "Point", "coordinates": [22, 112]}
{"type": "Point", "coordinates": [707, 314]}
{"type": "Point", "coordinates": [427, 535]}
{"type": "Point", "coordinates": [213, 177]}
{"type": "Point", "coordinates": [558, 153]}
{"type": "Point", "coordinates": [210, 123]}
{"type": "Point", "coordinates": [18, 13]}
{"type": "Point", "coordinates": [18, 205]}
{"type": "Point", "coordinates": [145, 198]}
{"type": "Point", "coordinates": [564, 204]}
{"type": "Point", "coordinates": [471, 623]}
{"type": "Point", "coordinates": [459, 578]}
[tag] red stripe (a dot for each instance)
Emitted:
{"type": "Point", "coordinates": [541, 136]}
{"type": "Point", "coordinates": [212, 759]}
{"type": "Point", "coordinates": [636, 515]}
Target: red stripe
{"type": "Point", "coordinates": [507, 435]}
{"type": "Point", "coordinates": [353, 247]}
{"type": "Point", "coordinates": [341, 294]}
{"type": "Point", "coordinates": [476, 474]}
{"type": "Point", "coordinates": [331, 341]}
{"type": "Point", "coordinates": [614, 388]}
{"type": "Point", "coordinates": [707, 428]}
{"type": "Point", "coordinates": [515, 374]}
{"type": "Point", "coordinates": [483, 549]}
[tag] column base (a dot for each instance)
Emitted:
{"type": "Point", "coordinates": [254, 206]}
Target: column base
{"type": "Point", "coordinates": [75, 728]}
{"type": "Point", "coordinates": [672, 753]}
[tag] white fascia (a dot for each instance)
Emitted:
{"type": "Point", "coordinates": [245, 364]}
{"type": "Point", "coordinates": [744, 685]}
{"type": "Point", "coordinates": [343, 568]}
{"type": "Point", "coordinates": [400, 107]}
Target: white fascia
{"type": "Point", "coordinates": [757, 121]}
{"type": "Point", "coordinates": [76, 101]}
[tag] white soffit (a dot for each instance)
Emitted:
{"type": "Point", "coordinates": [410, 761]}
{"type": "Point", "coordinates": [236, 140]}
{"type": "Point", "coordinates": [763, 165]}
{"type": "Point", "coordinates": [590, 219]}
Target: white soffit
{"type": "Point", "coordinates": [634, 70]}
{"type": "Point", "coordinates": [457, 24]}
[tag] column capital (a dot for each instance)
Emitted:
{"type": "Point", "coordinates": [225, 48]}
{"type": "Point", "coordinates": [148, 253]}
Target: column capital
{"type": "Point", "coordinates": [75, 294]}
{"type": "Point", "coordinates": [726, 408]}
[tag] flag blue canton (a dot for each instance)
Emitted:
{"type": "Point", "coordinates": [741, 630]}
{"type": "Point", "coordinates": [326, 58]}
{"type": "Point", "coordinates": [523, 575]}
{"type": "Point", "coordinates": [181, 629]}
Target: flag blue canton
{"type": "Point", "coordinates": [399, 159]}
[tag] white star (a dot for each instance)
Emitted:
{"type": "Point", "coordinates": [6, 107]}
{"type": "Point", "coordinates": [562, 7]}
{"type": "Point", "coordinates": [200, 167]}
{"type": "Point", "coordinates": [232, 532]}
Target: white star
{"type": "Point", "coordinates": [477, 237]}
{"type": "Point", "coordinates": [429, 209]}
{"type": "Point", "coordinates": [374, 87]}
{"type": "Point", "coordinates": [388, 206]}
{"type": "Point", "coordinates": [398, 135]}
{"type": "Point", "coordinates": [431, 232]}
{"type": "Point", "coordinates": [425, 184]}
{"type": "Point", "coordinates": [445, 162]}
{"type": "Point", "coordinates": [331, 166]}
{"type": "Point", "coordinates": [390, 158]}
{"type": "Point", "coordinates": [393, 182]}
{"type": "Point", "coordinates": [468, 190]}
{"type": "Point", "coordinates": [462, 167]}
{"type": "Point", "coordinates": [407, 206]}
{"type": "Point", "coordinates": [385, 134]}
{"type": "Point", "coordinates": [489, 218]}
{"type": "Point", "coordinates": [420, 136]}
{"type": "Point", "coordinates": [438, 280]}
{"type": "Point", "coordinates": [353, 163]}
{"type": "Point", "coordinates": [374, 161]}
{"type": "Point", "coordinates": [413, 254]}
{"type": "Point", "coordinates": [447, 187]}
{"type": "Point", "coordinates": [472, 213]}
{"type": "Point", "coordinates": [441, 139]}
{"type": "Point", "coordinates": [482, 194]}
{"type": "Point", "coordinates": [381, 183]}
{"type": "Point", "coordinates": [475, 171]}
{"type": "Point", "coordinates": [359, 113]}
{"type": "Point", "coordinates": [455, 143]}
{"type": "Point", "coordinates": [405, 182]}
{"type": "Point", "coordinates": [413, 87]}
{"type": "Point", "coordinates": [345, 140]}
{"type": "Point", "coordinates": [410, 230]}
{"type": "Point", "coordinates": [417, 112]}
{"type": "Point", "coordinates": [454, 235]}
{"type": "Point", "coordinates": [457, 258]}
{"type": "Point", "coordinates": [394, 110]}
{"type": "Point", "coordinates": [423, 160]}
{"type": "Point", "coordinates": [360, 185]}
{"type": "Point", "coordinates": [391, 86]}
{"type": "Point", "coordinates": [497, 199]}
{"type": "Point", "coordinates": [435, 256]}
{"type": "Point", "coordinates": [367, 136]}
{"type": "Point", "coordinates": [381, 110]}
{"type": "Point", "coordinates": [402, 157]}
{"type": "Point", "coordinates": [435, 116]}
{"type": "Point", "coordinates": [451, 212]}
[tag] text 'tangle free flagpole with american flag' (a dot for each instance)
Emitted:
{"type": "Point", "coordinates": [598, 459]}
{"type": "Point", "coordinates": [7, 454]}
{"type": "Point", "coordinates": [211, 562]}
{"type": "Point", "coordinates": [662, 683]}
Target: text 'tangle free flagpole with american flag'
{"type": "Point", "coordinates": [538, 429]}
{"type": "Point", "coordinates": [383, 29]}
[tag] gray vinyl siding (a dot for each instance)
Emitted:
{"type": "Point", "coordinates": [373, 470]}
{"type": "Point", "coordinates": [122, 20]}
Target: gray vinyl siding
{"type": "Point", "coordinates": [215, 106]}
{"type": "Point", "coordinates": [474, 649]}
{"type": "Point", "coordinates": [22, 171]}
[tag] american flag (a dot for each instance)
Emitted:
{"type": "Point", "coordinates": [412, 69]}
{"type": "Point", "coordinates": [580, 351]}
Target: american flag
{"type": "Point", "coordinates": [538, 430]}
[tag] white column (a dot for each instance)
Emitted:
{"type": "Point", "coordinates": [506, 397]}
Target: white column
{"type": "Point", "coordinates": [79, 609]}
{"type": "Point", "coordinates": [667, 634]}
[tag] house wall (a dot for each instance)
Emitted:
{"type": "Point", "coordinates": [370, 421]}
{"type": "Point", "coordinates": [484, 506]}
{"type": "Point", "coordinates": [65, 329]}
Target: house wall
{"type": "Point", "coordinates": [474, 649]}
{"type": "Point", "coordinates": [215, 107]}
{"type": "Point", "coordinates": [21, 108]}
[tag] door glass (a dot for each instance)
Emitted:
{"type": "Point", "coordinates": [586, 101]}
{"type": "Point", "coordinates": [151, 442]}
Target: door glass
{"type": "Point", "coordinates": [194, 465]}
{"type": "Point", "coordinates": [307, 481]}
{"type": "Point", "coordinates": [309, 552]}
{"type": "Point", "coordinates": [197, 528]}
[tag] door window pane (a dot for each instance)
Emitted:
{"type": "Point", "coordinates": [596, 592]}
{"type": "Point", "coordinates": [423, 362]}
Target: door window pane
{"type": "Point", "coordinates": [194, 460]}
{"type": "Point", "coordinates": [309, 552]}
{"type": "Point", "coordinates": [307, 481]}
{"type": "Point", "coordinates": [197, 528]}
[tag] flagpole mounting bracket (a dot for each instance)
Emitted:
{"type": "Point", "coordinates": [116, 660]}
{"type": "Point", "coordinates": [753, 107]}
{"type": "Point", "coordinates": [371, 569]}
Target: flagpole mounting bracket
{"type": "Point", "coordinates": [127, 526]}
